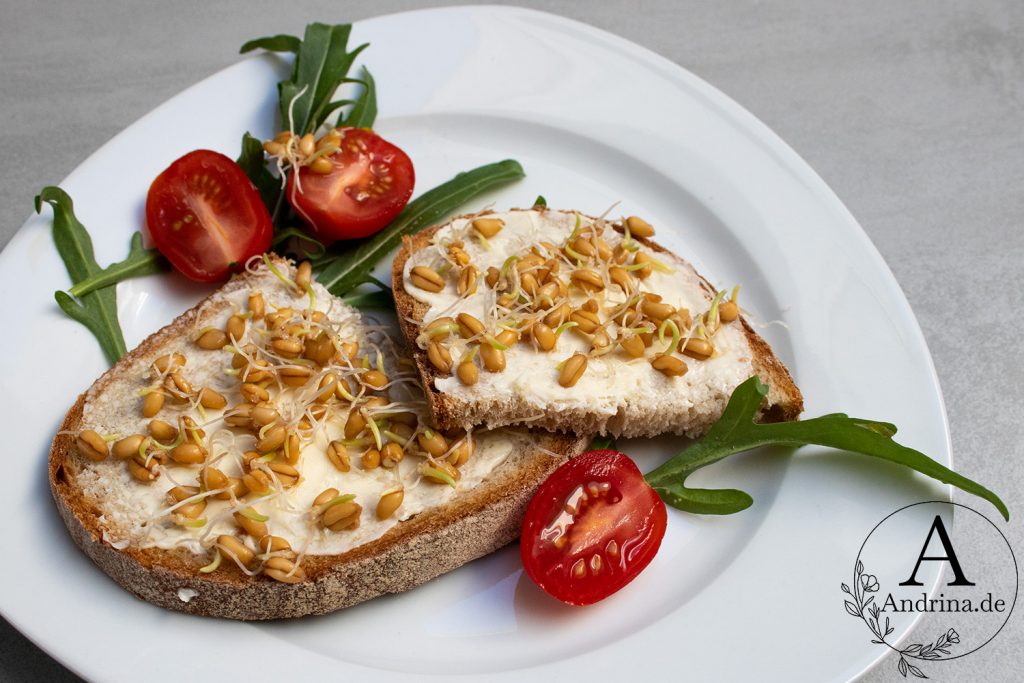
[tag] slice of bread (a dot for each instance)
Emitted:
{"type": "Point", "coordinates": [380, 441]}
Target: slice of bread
{"type": "Point", "coordinates": [124, 525]}
{"type": "Point", "coordinates": [617, 394]}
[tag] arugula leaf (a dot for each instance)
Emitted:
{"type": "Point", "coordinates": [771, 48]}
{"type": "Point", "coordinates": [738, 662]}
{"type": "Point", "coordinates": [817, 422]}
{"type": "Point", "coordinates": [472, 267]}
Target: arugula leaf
{"type": "Point", "coordinates": [380, 299]}
{"type": "Point", "coordinates": [278, 43]}
{"type": "Point", "coordinates": [140, 261]}
{"type": "Point", "coordinates": [252, 161]}
{"type": "Point", "coordinates": [321, 65]}
{"type": "Point", "coordinates": [364, 109]}
{"type": "Point", "coordinates": [540, 202]}
{"type": "Point", "coordinates": [97, 310]}
{"type": "Point", "coordinates": [602, 443]}
{"type": "Point", "coordinates": [736, 432]}
{"type": "Point", "coordinates": [295, 241]}
{"type": "Point", "coordinates": [344, 272]}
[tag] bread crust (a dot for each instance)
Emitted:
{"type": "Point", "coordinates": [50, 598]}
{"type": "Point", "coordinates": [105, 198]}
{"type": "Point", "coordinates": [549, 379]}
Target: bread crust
{"type": "Point", "coordinates": [783, 402]}
{"type": "Point", "coordinates": [472, 524]}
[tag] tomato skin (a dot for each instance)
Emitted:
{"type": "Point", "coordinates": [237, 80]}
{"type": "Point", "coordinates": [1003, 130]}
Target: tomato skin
{"type": "Point", "coordinates": [205, 216]}
{"type": "Point", "coordinates": [622, 526]}
{"type": "Point", "coordinates": [371, 183]}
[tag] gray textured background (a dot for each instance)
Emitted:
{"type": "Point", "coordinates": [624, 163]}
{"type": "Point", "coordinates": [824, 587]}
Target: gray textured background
{"type": "Point", "coordinates": [911, 110]}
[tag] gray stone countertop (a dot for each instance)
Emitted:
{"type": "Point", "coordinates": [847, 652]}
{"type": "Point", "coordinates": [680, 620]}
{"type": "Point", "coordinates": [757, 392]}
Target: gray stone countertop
{"type": "Point", "coordinates": [912, 111]}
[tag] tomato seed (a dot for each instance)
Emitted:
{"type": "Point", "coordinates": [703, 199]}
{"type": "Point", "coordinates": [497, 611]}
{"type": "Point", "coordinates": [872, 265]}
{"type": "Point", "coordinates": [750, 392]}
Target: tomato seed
{"type": "Point", "coordinates": [579, 569]}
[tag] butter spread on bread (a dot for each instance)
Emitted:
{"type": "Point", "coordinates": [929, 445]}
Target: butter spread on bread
{"type": "Point", "coordinates": [646, 345]}
{"type": "Point", "coordinates": [204, 493]}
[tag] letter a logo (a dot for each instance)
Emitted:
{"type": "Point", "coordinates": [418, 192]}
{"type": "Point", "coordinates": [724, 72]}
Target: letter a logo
{"type": "Point", "coordinates": [950, 556]}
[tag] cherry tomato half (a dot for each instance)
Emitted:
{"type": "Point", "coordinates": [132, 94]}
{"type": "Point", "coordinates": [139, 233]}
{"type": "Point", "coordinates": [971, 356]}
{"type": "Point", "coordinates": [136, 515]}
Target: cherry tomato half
{"type": "Point", "coordinates": [371, 183]}
{"type": "Point", "coordinates": [206, 217]}
{"type": "Point", "coordinates": [592, 526]}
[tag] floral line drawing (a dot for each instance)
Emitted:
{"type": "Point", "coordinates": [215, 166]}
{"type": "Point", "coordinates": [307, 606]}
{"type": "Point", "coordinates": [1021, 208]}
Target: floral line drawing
{"type": "Point", "coordinates": [863, 606]}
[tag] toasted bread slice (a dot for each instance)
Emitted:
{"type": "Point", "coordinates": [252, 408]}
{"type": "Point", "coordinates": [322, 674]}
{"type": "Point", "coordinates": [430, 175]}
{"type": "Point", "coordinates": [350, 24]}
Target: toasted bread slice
{"type": "Point", "coordinates": [617, 393]}
{"type": "Point", "coordinates": [125, 527]}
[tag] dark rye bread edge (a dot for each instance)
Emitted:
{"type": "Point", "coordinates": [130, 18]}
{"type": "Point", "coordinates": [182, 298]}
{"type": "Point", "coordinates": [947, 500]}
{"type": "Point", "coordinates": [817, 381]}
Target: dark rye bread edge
{"type": "Point", "coordinates": [784, 401]}
{"type": "Point", "coordinates": [474, 523]}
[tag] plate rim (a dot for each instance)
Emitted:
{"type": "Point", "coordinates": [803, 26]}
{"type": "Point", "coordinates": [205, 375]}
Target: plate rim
{"type": "Point", "coordinates": [723, 104]}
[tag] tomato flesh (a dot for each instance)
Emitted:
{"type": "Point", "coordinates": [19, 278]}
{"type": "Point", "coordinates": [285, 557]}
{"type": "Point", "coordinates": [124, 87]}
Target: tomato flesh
{"type": "Point", "coordinates": [370, 184]}
{"type": "Point", "coordinates": [206, 217]}
{"type": "Point", "coordinates": [591, 528]}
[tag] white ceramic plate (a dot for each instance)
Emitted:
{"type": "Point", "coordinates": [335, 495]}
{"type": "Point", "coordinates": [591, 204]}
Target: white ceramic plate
{"type": "Point", "coordinates": [594, 120]}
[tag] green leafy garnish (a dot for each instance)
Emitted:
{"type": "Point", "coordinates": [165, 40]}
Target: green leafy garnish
{"type": "Point", "coordinates": [321, 66]}
{"type": "Point", "coordinates": [97, 309]}
{"type": "Point", "coordinates": [343, 272]}
{"type": "Point", "coordinates": [140, 261]}
{"type": "Point", "coordinates": [310, 246]}
{"type": "Point", "coordinates": [322, 61]}
{"type": "Point", "coordinates": [252, 161]}
{"type": "Point", "coordinates": [736, 432]}
{"type": "Point", "coordinates": [540, 202]}
{"type": "Point", "coordinates": [364, 109]}
{"type": "Point", "coordinates": [380, 300]}
{"type": "Point", "coordinates": [278, 43]}
{"type": "Point", "coordinates": [602, 443]}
